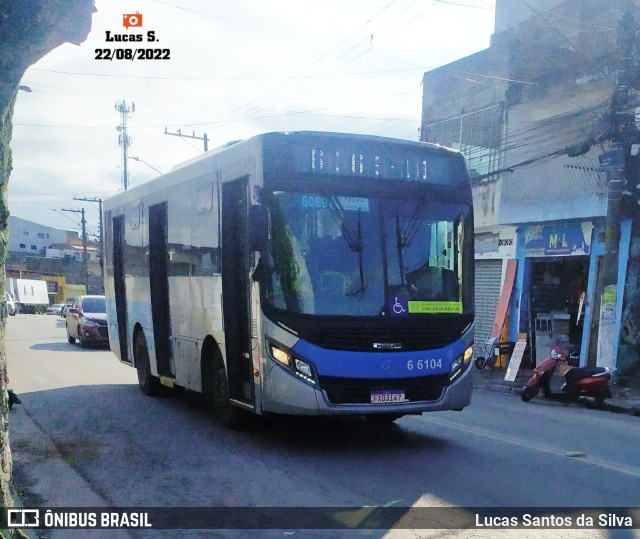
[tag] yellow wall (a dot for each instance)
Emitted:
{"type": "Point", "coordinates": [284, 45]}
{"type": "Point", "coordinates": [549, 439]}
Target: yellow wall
{"type": "Point", "coordinates": [72, 291]}
{"type": "Point", "coordinates": [59, 297]}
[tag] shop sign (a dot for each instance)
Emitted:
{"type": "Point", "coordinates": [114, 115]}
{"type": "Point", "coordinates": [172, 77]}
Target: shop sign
{"type": "Point", "coordinates": [612, 160]}
{"type": "Point", "coordinates": [609, 297]}
{"type": "Point", "coordinates": [566, 239]}
{"type": "Point", "coordinates": [486, 243]}
{"type": "Point", "coordinates": [52, 287]}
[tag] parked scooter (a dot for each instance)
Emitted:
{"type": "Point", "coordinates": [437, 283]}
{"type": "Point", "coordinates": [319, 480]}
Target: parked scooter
{"type": "Point", "coordinates": [590, 385]}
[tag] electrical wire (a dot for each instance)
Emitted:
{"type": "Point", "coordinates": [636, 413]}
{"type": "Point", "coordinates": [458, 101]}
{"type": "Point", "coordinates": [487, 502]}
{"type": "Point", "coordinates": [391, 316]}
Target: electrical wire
{"type": "Point", "coordinates": [257, 101]}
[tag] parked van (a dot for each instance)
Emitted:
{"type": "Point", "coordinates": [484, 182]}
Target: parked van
{"type": "Point", "coordinates": [30, 295]}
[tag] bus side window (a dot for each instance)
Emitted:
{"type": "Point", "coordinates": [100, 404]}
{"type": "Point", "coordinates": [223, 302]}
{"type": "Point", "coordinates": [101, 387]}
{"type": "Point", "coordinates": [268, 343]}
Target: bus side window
{"type": "Point", "coordinates": [205, 228]}
{"type": "Point", "coordinates": [204, 198]}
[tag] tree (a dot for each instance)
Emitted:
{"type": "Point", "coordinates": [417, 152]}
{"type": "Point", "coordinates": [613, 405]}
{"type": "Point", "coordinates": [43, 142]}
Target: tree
{"type": "Point", "coordinates": [29, 29]}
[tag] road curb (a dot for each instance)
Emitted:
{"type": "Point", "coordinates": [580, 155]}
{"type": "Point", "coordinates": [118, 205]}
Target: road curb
{"type": "Point", "coordinates": [618, 409]}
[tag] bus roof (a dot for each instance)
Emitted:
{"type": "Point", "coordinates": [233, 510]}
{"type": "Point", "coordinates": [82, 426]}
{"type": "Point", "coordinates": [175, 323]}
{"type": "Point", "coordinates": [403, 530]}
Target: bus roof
{"type": "Point", "coordinates": [240, 147]}
{"type": "Point", "coordinates": [317, 134]}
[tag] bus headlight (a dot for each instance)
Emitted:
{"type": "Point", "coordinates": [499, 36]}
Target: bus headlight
{"type": "Point", "coordinates": [297, 366]}
{"type": "Point", "coordinates": [459, 365]}
{"type": "Point", "coordinates": [303, 370]}
{"type": "Point", "coordinates": [280, 355]}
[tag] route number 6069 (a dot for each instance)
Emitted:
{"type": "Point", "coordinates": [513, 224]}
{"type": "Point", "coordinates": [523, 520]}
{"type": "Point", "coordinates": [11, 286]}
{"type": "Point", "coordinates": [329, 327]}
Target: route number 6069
{"type": "Point", "coordinates": [424, 364]}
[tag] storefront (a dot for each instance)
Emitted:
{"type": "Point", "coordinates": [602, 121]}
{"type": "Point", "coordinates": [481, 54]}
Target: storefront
{"type": "Point", "coordinates": [550, 301]}
{"type": "Point", "coordinates": [493, 247]}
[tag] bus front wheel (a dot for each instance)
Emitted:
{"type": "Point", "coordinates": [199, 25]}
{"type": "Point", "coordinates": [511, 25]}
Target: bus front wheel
{"type": "Point", "coordinates": [229, 415]}
{"type": "Point", "coordinates": [149, 384]}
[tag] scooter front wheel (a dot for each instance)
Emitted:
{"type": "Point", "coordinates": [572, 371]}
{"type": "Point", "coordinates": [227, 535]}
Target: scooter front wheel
{"type": "Point", "coordinates": [595, 401]}
{"type": "Point", "coordinates": [529, 392]}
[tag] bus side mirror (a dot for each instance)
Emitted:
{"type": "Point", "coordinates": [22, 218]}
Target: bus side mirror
{"type": "Point", "coordinates": [258, 233]}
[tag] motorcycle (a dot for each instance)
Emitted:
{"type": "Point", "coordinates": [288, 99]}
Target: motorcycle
{"type": "Point", "coordinates": [588, 384]}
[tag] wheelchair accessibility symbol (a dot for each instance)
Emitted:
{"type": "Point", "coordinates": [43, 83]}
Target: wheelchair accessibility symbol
{"type": "Point", "coordinates": [398, 305]}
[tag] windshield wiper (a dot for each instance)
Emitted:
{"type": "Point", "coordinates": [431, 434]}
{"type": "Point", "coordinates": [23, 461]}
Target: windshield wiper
{"type": "Point", "coordinates": [406, 237]}
{"type": "Point", "coordinates": [399, 247]}
{"type": "Point", "coordinates": [355, 244]}
{"type": "Point", "coordinates": [363, 287]}
{"type": "Point", "coordinates": [413, 225]}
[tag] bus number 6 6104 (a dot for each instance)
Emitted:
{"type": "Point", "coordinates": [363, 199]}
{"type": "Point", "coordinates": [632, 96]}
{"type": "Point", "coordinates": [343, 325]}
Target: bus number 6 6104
{"type": "Point", "coordinates": [427, 364]}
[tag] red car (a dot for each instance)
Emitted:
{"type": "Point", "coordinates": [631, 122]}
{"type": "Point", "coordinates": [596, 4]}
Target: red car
{"type": "Point", "coordinates": [86, 321]}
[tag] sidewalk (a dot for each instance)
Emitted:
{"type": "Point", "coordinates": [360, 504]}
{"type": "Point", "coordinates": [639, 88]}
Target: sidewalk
{"type": "Point", "coordinates": [624, 401]}
{"type": "Point", "coordinates": [44, 477]}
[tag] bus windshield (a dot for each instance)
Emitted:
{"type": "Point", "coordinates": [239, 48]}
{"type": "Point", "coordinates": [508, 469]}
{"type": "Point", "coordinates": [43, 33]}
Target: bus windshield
{"type": "Point", "coordinates": [365, 256]}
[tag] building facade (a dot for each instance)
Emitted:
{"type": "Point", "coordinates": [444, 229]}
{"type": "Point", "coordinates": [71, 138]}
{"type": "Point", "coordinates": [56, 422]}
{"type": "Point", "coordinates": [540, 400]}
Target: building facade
{"type": "Point", "coordinates": [32, 238]}
{"type": "Point", "coordinates": [41, 252]}
{"type": "Point", "coordinates": [532, 114]}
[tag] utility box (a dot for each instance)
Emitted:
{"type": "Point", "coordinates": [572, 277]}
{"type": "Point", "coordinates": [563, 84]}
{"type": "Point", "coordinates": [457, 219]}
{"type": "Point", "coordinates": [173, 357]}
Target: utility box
{"type": "Point", "coordinates": [544, 336]}
{"type": "Point", "coordinates": [551, 329]}
{"type": "Point", "coordinates": [560, 323]}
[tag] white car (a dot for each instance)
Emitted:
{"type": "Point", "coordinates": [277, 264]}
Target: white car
{"type": "Point", "coordinates": [56, 308]}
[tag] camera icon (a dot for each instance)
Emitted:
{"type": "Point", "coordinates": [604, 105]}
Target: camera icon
{"type": "Point", "coordinates": [132, 19]}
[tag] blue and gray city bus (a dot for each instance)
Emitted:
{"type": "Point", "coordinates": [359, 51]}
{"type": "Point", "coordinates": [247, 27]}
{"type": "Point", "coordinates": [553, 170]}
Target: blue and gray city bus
{"type": "Point", "coordinates": [299, 273]}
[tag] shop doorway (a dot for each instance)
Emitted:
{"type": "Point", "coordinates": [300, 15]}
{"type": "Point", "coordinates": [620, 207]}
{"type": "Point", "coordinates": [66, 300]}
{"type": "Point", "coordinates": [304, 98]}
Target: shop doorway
{"type": "Point", "coordinates": [557, 290]}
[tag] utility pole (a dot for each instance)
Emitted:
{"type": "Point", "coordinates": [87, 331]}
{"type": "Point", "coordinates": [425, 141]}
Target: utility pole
{"type": "Point", "coordinates": [124, 140]}
{"type": "Point", "coordinates": [623, 134]}
{"type": "Point", "coordinates": [193, 135]}
{"type": "Point", "coordinates": [100, 233]}
{"type": "Point", "coordinates": [85, 262]}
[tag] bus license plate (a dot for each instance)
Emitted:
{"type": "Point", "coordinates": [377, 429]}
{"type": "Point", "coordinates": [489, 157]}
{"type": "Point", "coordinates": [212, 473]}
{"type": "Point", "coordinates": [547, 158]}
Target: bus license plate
{"type": "Point", "coordinates": [385, 397]}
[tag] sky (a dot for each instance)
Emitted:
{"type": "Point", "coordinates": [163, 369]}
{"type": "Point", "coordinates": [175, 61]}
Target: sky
{"type": "Point", "coordinates": [236, 68]}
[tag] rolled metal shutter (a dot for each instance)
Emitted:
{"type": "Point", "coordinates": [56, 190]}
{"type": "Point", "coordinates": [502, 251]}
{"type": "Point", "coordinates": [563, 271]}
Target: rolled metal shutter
{"type": "Point", "coordinates": [488, 277]}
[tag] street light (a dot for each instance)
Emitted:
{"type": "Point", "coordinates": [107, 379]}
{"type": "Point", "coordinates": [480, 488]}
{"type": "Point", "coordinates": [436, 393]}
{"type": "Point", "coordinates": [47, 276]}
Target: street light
{"type": "Point", "coordinates": [143, 161]}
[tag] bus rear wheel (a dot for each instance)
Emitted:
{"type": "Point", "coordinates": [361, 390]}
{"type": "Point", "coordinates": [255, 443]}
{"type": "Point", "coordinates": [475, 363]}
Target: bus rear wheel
{"type": "Point", "coordinates": [149, 384]}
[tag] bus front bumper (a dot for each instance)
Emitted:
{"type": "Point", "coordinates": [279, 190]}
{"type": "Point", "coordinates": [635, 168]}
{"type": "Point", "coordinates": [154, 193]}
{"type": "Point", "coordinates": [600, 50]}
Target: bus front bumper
{"type": "Point", "coordinates": [283, 393]}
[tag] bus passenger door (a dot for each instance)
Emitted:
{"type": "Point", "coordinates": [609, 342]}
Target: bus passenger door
{"type": "Point", "coordinates": [235, 289]}
{"type": "Point", "coordinates": [159, 287]}
{"type": "Point", "coordinates": [119, 285]}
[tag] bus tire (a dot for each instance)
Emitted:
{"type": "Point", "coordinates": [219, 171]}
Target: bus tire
{"type": "Point", "coordinates": [149, 384]}
{"type": "Point", "coordinates": [229, 415]}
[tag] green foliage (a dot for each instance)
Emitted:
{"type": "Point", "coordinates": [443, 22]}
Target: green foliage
{"type": "Point", "coordinates": [29, 29]}
{"type": "Point", "coordinates": [283, 254]}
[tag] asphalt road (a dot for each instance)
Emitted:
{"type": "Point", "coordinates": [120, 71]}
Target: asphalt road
{"type": "Point", "coordinates": [86, 436]}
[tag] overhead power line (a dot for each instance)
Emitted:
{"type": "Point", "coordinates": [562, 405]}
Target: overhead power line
{"type": "Point", "coordinates": [488, 8]}
{"type": "Point", "coordinates": [274, 78]}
